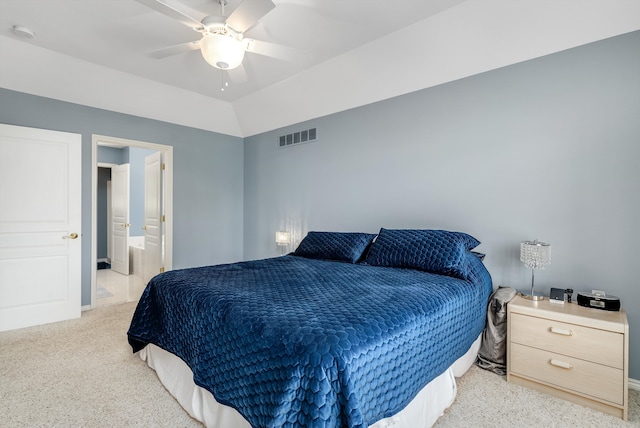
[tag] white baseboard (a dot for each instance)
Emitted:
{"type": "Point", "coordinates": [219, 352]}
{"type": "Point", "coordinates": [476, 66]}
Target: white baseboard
{"type": "Point", "coordinates": [87, 307]}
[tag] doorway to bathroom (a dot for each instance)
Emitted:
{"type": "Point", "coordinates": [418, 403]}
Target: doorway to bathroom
{"type": "Point", "coordinates": [132, 206]}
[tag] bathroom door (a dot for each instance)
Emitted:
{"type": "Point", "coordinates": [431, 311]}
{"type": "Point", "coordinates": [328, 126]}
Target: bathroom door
{"type": "Point", "coordinates": [120, 219]}
{"type": "Point", "coordinates": [153, 245]}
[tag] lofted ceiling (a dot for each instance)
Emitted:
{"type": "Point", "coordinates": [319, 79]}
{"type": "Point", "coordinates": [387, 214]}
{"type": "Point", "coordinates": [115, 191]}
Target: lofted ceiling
{"type": "Point", "coordinates": [348, 53]}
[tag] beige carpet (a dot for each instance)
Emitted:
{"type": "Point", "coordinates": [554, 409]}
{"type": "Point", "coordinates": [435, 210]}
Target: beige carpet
{"type": "Point", "coordinates": [81, 373]}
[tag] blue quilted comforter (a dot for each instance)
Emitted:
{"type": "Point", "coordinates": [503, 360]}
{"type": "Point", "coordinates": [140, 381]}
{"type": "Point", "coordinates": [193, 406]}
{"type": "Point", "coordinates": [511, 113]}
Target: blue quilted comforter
{"type": "Point", "coordinates": [291, 341]}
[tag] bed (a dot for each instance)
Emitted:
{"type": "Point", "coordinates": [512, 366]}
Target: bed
{"type": "Point", "coordinates": [352, 329]}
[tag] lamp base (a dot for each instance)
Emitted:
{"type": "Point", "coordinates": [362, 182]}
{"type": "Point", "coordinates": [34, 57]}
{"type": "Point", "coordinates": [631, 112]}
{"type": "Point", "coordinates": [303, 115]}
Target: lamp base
{"type": "Point", "coordinates": [533, 297]}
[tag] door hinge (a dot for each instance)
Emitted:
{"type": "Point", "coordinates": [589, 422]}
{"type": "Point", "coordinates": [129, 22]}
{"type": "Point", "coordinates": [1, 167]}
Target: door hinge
{"type": "Point", "coordinates": [164, 166]}
{"type": "Point", "coordinates": [162, 269]}
{"type": "Point", "coordinates": [163, 220]}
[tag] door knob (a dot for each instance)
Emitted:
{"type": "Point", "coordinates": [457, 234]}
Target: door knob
{"type": "Point", "coordinates": [71, 236]}
{"type": "Point", "coordinates": [125, 224]}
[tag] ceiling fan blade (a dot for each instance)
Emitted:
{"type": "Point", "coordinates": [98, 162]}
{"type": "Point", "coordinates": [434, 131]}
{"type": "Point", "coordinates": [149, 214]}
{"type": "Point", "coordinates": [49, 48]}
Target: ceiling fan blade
{"type": "Point", "coordinates": [248, 13]}
{"type": "Point", "coordinates": [238, 74]}
{"type": "Point", "coordinates": [177, 11]}
{"type": "Point", "coordinates": [275, 50]}
{"type": "Point", "coordinates": [174, 50]}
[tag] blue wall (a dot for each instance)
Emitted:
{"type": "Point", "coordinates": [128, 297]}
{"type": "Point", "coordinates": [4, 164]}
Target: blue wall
{"type": "Point", "coordinates": [208, 175]}
{"type": "Point", "coordinates": [112, 155]}
{"type": "Point", "coordinates": [544, 149]}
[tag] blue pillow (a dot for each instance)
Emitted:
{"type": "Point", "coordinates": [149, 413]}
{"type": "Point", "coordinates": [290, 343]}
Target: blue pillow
{"type": "Point", "coordinates": [436, 251]}
{"type": "Point", "coordinates": [343, 246]}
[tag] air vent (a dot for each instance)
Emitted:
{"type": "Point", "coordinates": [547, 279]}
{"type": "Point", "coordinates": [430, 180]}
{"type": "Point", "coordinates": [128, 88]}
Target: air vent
{"type": "Point", "coordinates": [295, 138]}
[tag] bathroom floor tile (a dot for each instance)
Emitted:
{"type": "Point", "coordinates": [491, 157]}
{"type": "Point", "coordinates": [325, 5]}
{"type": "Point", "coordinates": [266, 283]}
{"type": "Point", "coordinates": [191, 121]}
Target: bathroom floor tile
{"type": "Point", "coordinates": [123, 288]}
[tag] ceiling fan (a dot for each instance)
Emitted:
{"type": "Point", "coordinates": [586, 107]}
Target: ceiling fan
{"type": "Point", "coordinates": [223, 44]}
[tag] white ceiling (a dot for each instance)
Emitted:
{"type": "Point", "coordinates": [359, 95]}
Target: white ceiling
{"type": "Point", "coordinates": [353, 52]}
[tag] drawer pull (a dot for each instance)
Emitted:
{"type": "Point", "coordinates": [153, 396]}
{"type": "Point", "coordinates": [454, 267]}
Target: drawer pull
{"type": "Point", "coordinates": [561, 331]}
{"type": "Point", "coordinates": [561, 364]}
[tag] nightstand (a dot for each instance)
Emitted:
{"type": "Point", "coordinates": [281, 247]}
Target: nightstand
{"type": "Point", "coordinates": [572, 352]}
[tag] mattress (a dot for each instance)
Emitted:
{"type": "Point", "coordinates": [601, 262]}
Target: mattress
{"type": "Point", "coordinates": [423, 411]}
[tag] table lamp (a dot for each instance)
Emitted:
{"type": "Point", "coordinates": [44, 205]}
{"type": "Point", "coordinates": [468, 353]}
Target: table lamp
{"type": "Point", "coordinates": [535, 255]}
{"type": "Point", "coordinates": [283, 239]}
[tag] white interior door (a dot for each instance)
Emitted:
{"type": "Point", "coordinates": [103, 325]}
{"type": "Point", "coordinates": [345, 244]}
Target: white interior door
{"type": "Point", "coordinates": [120, 219]}
{"type": "Point", "coordinates": [153, 243]}
{"type": "Point", "coordinates": [40, 226]}
{"type": "Point", "coordinates": [109, 224]}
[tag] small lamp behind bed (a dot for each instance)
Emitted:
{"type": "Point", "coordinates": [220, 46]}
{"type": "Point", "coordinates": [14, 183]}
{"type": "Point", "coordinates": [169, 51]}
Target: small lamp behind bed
{"type": "Point", "coordinates": [535, 255]}
{"type": "Point", "coordinates": [283, 239]}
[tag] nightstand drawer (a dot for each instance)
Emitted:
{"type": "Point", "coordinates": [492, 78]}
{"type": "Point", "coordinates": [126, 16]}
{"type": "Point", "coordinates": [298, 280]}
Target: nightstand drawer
{"type": "Point", "coordinates": [581, 376]}
{"type": "Point", "coordinates": [598, 346]}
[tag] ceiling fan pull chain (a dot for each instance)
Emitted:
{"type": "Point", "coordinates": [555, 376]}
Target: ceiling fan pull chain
{"type": "Point", "coordinates": [224, 83]}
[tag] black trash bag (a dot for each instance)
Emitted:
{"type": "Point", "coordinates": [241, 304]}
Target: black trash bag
{"type": "Point", "coordinates": [493, 349]}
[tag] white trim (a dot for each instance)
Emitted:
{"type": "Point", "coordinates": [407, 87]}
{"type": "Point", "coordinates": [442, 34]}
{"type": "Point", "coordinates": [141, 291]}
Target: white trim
{"type": "Point", "coordinates": [168, 194]}
{"type": "Point", "coordinates": [634, 384]}
{"type": "Point", "coordinates": [85, 308]}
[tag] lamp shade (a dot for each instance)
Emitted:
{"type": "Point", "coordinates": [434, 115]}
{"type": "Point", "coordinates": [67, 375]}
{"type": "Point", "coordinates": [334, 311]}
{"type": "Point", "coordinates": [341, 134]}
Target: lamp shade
{"type": "Point", "coordinates": [222, 51]}
{"type": "Point", "coordinates": [283, 238]}
{"type": "Point", "coordinates": [535, 255]}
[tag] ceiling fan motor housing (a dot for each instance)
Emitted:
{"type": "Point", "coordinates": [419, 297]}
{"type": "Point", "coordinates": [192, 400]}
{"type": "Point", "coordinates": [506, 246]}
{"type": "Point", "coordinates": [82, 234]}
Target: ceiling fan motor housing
{"type": "Point", "coordinates": [213, 24]}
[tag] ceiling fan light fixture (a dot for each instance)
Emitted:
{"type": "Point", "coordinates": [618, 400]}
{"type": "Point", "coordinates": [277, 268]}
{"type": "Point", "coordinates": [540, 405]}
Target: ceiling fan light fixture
{"type": "Point", "coordinates": [222, 51]}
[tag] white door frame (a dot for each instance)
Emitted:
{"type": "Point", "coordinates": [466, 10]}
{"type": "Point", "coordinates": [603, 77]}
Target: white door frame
{"type": "Point", "coordinates": [168, 198]}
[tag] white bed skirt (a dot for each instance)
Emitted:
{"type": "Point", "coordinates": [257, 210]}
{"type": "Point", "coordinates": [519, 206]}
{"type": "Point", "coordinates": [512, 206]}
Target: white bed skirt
{"type": "Point", "coordinates": [423, 411]}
